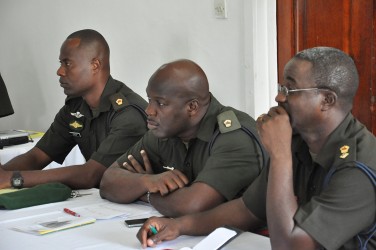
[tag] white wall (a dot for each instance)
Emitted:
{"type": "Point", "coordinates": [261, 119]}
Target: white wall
{"type": "Point", "coordinates": [238, 54]}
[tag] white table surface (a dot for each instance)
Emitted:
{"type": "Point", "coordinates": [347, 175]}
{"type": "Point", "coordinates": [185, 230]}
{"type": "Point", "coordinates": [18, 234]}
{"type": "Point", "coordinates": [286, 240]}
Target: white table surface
{"type": "Point", "coordinates": [103, 234]}
{"type": "Point", "coordinates": [9, 152]}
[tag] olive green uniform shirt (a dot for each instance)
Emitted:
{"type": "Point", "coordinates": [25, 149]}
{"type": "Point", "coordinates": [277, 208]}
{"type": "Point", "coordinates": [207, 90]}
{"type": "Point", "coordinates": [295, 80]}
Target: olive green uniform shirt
{"type": "Point", "coordinates": [233, 163]}
{"type": "Point", "coordinates": [102, 135]}
{"type": "Point", "coordinates": [335, 215]}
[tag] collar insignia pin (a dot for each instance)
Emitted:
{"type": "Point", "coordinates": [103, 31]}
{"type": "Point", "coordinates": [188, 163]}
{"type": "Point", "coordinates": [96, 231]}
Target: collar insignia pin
{"type": "Point", "coordinates": [119, 101]}
{"type": "Point", "coordinates": [344, 151]}
{"type": "Point", "coordinates": [227, 123]}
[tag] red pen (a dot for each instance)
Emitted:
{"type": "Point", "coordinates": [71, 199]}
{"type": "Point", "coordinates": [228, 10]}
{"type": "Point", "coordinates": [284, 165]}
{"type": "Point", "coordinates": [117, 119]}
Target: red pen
{"type": "Point", "coordinates": [68, 211]}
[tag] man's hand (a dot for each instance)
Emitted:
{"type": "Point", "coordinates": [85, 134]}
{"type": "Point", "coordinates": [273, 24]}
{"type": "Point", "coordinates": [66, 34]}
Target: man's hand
{"type": "Point", "coordinates": [275, 131]}
{"type": "Point", "coordinates": [168, 229]}
{"type": "Point", "coordinates": [163, 183]}
{"type": "Point", "coordinates": [136, 167]}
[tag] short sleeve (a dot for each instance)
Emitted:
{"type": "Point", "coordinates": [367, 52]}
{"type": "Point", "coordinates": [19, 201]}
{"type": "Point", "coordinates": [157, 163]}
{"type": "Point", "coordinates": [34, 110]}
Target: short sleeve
{"type": "Point", "coordinates": [233, 164]}
{"type": "Point", "coordinates": [126, 129]}
{"type": "Point", "coordinates": [345, 208]}
{"type": "Point", "coordinates": [255, 196]}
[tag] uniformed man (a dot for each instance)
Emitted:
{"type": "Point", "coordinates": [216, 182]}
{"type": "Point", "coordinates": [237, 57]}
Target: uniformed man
{"type": "Point", "coordinates": [314, 193]}
{"type": "Point", "coordinates": [101, 115]}
{"type": "Point", "coordinates": [181, 165]}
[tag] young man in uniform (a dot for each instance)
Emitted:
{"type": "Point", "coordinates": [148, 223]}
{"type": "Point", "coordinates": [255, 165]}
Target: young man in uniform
{"type": "Point", "coordinates": [100, 115]}
{"type": "Point", "coordinates": [313, 195]}
{"type": "Point", "coordinates": [196, 153]}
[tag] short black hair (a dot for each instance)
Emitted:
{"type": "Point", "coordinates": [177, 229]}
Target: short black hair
{"type": "Point", "coordinates": [94, 39]}
{"type": "Point", "coordinates": [333, 69]}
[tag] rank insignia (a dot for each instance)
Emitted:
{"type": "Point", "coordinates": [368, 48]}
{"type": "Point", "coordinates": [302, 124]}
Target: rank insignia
{"type": "Point", "coordinates": [344, 151]}
{"type": "Point", "coordinates": [77, 114]}
{"type": "Point", "coordinates": [119, 101]}
{"type": "Point", "coordinates": [76, 125]}
{"type": "Point", "coordinates": [227, 123]}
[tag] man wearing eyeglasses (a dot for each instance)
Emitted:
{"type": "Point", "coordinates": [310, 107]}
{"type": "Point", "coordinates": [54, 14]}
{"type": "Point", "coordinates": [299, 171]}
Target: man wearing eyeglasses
{"type": "Point", "coordinates": [313, 194]}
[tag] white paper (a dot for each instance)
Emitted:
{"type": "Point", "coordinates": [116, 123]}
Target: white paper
{"type": "Point", "coordinates": [50, 225]}
{"type": "Point", "coordinates": [108, 210]}
{"type": "Point", "coordinates": [214, 240]}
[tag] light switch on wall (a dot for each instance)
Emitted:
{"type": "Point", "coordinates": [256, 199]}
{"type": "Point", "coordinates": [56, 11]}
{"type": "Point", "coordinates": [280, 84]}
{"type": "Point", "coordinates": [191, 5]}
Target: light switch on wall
{"type": "Point", "coordinates": [220, 10]}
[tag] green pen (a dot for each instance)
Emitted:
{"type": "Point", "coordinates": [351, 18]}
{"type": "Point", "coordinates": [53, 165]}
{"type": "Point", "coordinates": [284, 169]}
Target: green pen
{"type": "Point", "coordinates": [153, 229]}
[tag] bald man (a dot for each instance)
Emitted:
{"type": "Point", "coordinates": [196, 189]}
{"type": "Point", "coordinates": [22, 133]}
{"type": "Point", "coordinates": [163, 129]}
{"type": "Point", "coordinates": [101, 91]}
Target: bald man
{"type": "Point", "coordinates": [313, 194]}
{"type": "Point", "coordinates": [196, 154]}
{"type": "Point", "coordinates": [101, 115]}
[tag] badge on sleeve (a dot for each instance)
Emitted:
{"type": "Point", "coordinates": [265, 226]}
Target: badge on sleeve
{"type": "Point", "coordinates": [344, 151]}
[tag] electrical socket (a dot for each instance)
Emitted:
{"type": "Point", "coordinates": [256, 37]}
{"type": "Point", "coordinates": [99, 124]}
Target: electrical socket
{"type": "Point", "coordinates": [220, 9]}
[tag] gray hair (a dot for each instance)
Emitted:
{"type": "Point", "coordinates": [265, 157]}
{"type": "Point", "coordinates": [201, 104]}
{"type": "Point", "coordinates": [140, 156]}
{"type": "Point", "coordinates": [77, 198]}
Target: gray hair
{"type": "Point", "coordinates": [334, 70]}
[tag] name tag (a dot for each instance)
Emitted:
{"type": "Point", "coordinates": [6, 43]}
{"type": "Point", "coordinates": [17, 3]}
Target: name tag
{"type": "Point", "coordinates": [75, 134]}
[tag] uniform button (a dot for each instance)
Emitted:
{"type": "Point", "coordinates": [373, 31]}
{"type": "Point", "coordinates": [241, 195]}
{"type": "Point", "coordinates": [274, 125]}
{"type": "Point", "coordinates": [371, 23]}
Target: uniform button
{"type": "Point", "coordinates": [187, 164]}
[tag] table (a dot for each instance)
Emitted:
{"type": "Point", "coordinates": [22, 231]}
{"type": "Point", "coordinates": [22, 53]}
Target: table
{"type": "Point", "coordinates": [103, 234]}
{"type": "Point", "coordinates": [8, 153]}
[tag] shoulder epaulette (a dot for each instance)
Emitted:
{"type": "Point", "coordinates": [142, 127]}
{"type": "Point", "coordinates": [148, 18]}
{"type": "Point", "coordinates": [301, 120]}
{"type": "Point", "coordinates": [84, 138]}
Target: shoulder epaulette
{"type": "Point", "coordinates": [346, 151]}
{"type": "Point", "coordinates": [227, 122]}
{"type": "Point", "coordinates": [118, 101]}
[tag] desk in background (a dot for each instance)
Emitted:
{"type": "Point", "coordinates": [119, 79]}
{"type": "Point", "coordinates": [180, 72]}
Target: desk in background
{"type": "Point", "coordinates": [8, 153]}
{"type": "Point", "coordinates": [103, 234]}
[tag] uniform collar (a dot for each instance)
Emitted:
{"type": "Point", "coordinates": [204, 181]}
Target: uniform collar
{"type": "Point", "coordinates": [341, 145]}
{"type": "Point", "coordinates": [111, 87]}
{"type": "Point", "coordinates": [209, 122]}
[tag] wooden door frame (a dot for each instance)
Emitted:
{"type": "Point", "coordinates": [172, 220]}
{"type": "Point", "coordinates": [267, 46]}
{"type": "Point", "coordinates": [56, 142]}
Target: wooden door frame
{"type": "Point", "coordinates": [291, 12]}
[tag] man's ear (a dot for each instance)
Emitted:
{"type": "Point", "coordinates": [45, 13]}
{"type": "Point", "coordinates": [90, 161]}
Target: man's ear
{"type": "Point", "coordinates": [95, 64]}
{"type": "Point", "coordinates": [329, 100]}
{"type": "Point", "coordinates": [193, 107]}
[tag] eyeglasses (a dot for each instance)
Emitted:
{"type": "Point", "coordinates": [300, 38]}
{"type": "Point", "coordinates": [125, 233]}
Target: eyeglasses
{"type": "Point", "coordinates": [285, 91]}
